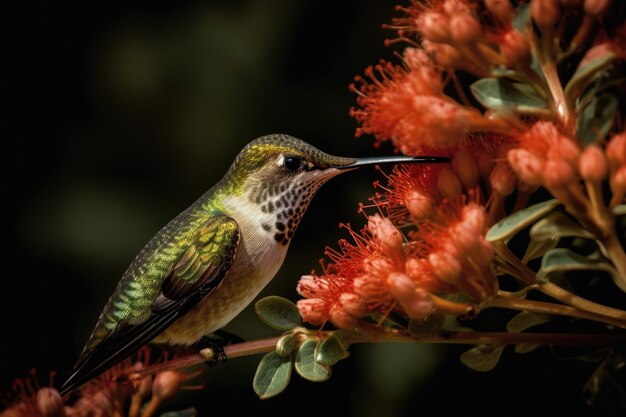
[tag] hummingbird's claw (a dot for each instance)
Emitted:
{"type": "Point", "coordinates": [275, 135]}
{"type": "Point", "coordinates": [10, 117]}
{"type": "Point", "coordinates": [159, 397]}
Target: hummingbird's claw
{"type": "Point", "coordinates": [216, 345]}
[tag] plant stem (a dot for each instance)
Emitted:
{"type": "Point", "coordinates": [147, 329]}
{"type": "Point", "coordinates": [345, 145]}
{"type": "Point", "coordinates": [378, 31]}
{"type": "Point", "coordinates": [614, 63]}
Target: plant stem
{"type": "Point", "coordinates": [574, 300]}
{"type": "Point", "coordinates": [369, 333]}
{"type": "Point", "coordinates": [551, 308]}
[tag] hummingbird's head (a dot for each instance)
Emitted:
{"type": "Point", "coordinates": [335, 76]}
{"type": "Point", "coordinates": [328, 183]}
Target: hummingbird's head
{"type": "Point", "coordinates": [278, 175]}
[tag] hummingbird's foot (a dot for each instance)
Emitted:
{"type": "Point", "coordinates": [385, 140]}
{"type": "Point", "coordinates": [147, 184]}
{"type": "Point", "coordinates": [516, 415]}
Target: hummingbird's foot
{"type": "Point", "coordinates": [228, 337]}
{"type": "Point", "coordinates": [216, 345]}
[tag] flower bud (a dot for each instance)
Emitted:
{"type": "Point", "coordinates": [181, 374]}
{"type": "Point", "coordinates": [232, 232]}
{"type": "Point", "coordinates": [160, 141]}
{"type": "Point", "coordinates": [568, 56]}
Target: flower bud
{"type": "Point", "coordinates": [502, 179]}
{"type": "Point", "coordinates": [558, 174]}
{"type": "Point", "coordinates": [527, 166]}
{"type": "Point", "coordinates": [465, 28]}
{"type": "Point", "coordinates": [445, 266]}
{"type": "Point", "coordinates": [616, 151]}
{"type": "Point", "coordinates": [545, 13]}
{"type": "Point", "coordinates": [446, 56]}
{"type": "Point", "coordinates": [386, 235]}
{"type": "Point", "coordinates": [456, 7]}
{"type": "Point", "coordinates": [352, 304]}
{"type": "Point", "coordinates": [340, 318]}
{"type": "Point", "coordinates": [618, 184]}
{"type": "Point", "coordinates": [50, 403]}
{"type": "Point", "coordinates": [466, 169]}
{"type": "Point", "coordinates": [420, 206]}
{"type": "Point", "coordinates": [434, 27]}
{"type": "Point", "coordinates": [593, 165]}
{"type": "Point", "coordinates": [595, 52]}
{"type": "Point", "coordinates": [596, 8]}
{"type": "Point", "coordinates": [313, 311]}
{"type": "Point", "coordinates": [515, 49]}
{"type": "Point", "coordinates": [449, 184]}
{"type": "Point", "coordinates": [167, 384]}
{"type": "Point", "coordinates": [419, 305]}
{"type": "Point", "coordinates": [501, 9]}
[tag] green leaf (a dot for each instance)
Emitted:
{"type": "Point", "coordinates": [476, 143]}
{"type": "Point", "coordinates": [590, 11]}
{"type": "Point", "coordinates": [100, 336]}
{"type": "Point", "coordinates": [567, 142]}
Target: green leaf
{"type": "Point", "coordinates": [538, 248]}
{"type": "Point", "coordinates": [482, 358]}
{"type": "Point", "coordinates": [285, 345]}
{"type": "Point", "coordinates": [620, 210]}
{"type": "Point", "coordinates": [584, 75]}
{"type": "Point", "coordinates": [606, 385]}
{"type": "Point", "coordinates": [557, 224]}
{"type": "Point", "coordinates": [525, 348]}
{"type": "Point", "coordinates": [188, 412]}
{"type": "Point", "coordinates": [511, 225]}
{"type": "Point", "coordinates": [505, 95]}
{"type": "Point", "coordinates": [278, 312]}
{"type": "Point", "coordinates": [562, 260]}
{"type": "Point", "coordinates": [596, 119]}
{"type": "Point", "coordinates": [525, 320]}
{"type": "Point", "coordinates": [521, 20]}
{"type": "Point", "coordinates": [272, 375]}
{"type": "Point", "coordinates": [307, 366]}
{"type": "Point", "coordinates": [331, 351]}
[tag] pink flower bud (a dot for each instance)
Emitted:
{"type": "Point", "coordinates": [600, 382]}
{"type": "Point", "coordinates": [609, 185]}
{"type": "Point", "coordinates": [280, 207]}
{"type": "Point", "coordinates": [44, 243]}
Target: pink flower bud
{"type": "Point", "coordinates": [515, 49]}
{"type": "Point", "coordinates": [420, 206]}
{"type": "Point", "coordinates": [386, 235]}
{"type": "Point", "coordinates": [502, 179]}
{"type": "Point", "coordinates": [167, 384]}
{"type": "Point", "coordinates": [419, 305]}
{"type": "Point", "coordinates": [445, 266]}
{"type": "Point", "coordinates": [566, 149]}
{"type": "Point", "coordinates": [593, 165]}
{"type": "Point", "coordinates": [618, 184]}
{"type": "Point", "coordinates": [501, 9]}
{"type": "Point", "coordinates": [595, 52]}
{"type": "Point", "coordinates": [449, 184]}
{"type": "Point", "coordinates": [596, 8]}
{"type": "Point", "coordinates": [545, 13]}
{"type": "Point", "coordinates": [465, 28]}
{"type": "Point", "coordinates": [352, 304]}
{"type": "Point", "coordinates": [466, 169]}
{"type": "Point", "coordinates": [616, 151]}
{"type": "Point", "coordinates": [340, 319]}
{"type": "Point", "coordinates": [476, 216]}
{"type": "Point", "coordinates": [313, 311]}
{"type": "Point", "coordinates": [558, 174]}
{"type": "Point", "coordinates": [400, 285]}
{"type": "Point", "coordinates": [527, 166]}
{"type": "Point", "coordinates": [455, 7]}
{"type": "Point", "coordinates": [446, 56]}
{"type": "Point", "coordinates": [434, 26]}
{"type": "Point", "coordinates": [482, 253]}
{"type": "Point", "coordinates": [50, 403]}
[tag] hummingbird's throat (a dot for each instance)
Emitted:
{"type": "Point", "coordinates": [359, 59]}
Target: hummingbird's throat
{"type": "Point", "coordinates": [283, 204]}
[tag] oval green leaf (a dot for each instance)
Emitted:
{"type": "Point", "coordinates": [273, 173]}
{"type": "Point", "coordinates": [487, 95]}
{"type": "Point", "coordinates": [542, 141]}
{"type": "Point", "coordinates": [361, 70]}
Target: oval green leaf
{"type": "Point", "coordinates": [596, 119]}
{"type": "Point", "coordinates": [557, 224]}
{"type": "Point", "coordinates": [307, 366]}
{"type": "Point", "coordinates": [583, 76]}
{"type": "Point", "coordinates": [330, 351]}
{"type": "Point", "coordinates": [538, 248]}
{"type": "Point", "coordinates": [525, 320]}
{"type": "Point", "coordinates": [561, 260]}
{"type": "Point", "coordinates": [278, 312]}
{"type": "Point", "coordinates": [511, 225]}
{"type": "Point", "coordinates": [482, 358]}
{"type": "Point", "coordinates": [502, 94]}
{"type": "Point", "coordinates": [272, 375]}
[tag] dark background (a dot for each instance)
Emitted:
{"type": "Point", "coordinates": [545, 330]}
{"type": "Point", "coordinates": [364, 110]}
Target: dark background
{"type": "Point", "coordinates": [121, 116]}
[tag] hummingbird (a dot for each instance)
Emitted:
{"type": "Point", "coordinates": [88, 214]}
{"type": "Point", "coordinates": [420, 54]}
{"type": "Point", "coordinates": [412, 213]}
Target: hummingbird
{"type": "Point", "coordinates": [208, 263]}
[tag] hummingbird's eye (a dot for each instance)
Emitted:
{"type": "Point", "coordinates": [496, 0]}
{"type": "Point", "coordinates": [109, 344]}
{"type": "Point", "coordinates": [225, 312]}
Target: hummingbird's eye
{"type": "Point", "coordinates": [292, 163]}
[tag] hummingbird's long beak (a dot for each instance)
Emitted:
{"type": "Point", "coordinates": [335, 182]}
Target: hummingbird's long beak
{"type": "Point", "coordinates": [381, 160]}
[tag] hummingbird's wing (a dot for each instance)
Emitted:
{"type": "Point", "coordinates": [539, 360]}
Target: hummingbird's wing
{"type": "Point", "coordinates": [199, 265]}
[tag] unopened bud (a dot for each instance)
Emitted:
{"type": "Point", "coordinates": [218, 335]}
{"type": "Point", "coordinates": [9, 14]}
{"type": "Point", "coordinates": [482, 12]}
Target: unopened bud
{"type": "Point", "coordinates": [616, 151]}
{"type": "Point", "coordinates": [597, 51]}
{"type": "Point", "coordinates": [558, 174]}
{"type": "Point", "coordinates": [465, 28]}
{"type": "Point", "coordinates": [502, 179]}
{"type": "Point", "coordinates": [618, 183]}
{"type": "Point", "coordinates": [526, 165]}
{"type": "Point", "coordinates": [593, 165]}
{"type": "Point", "coordinates": [50, 403]}
{"type": "Point", "coordinates": [445, 266]}
{"type": "Point", "coordinates": [313, 310]}
{"type": "Point", "coordinates": [596, 8]}
{"type": "Point", "coordinates": [545, 13]}
{"type": "Point", "coordinates": [167, 384]}
{"type": "Point", "coordinates": [352, 304]}
{"type": "Point", "coordinates": [340, 318]}
{"type": "Point", "coordinates": [446, 56]}
{"type": "Point", "coordinates": [434, 27]}
{"type": "Point", "coordinates": [515, 49]}
{"type": "Point", "coordinates": [466, 169]}
{"type": "Point", "coordinates": [420, 206]}
{"type": "Point", "coordinates": [455, 7]}
{"type": "Point", "coordinates": [501, 9]}
{"type": "Point", "coordinates": [449, 184]}
{"type": "Point", "coordinates": [386, 235]}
